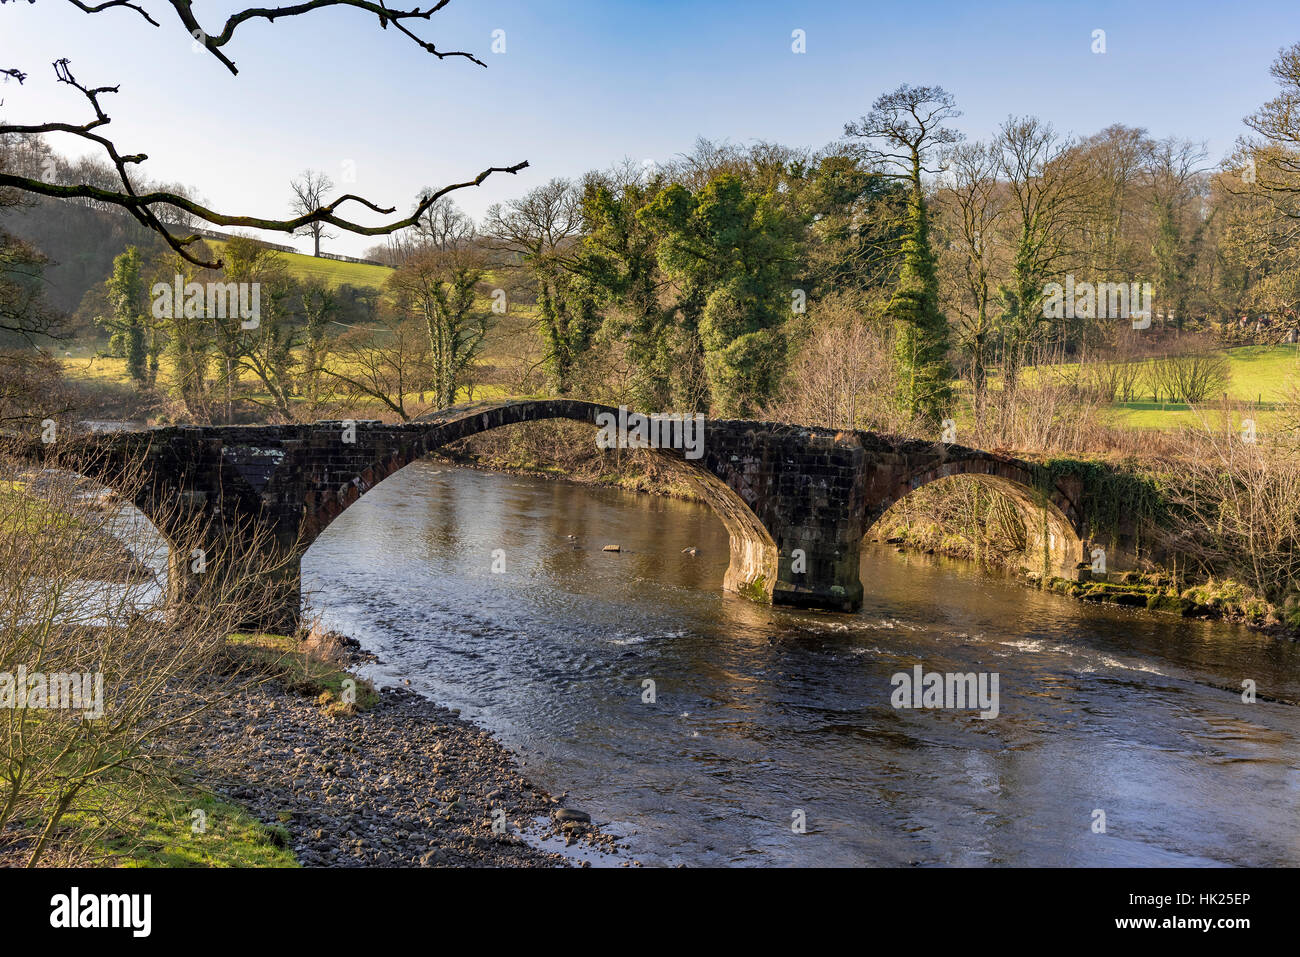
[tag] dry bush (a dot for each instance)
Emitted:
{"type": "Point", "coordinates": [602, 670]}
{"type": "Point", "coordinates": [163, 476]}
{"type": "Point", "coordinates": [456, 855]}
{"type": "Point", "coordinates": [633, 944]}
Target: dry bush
{"type": "Point", "coordinates": [842, 376]}
{"type": "Point", "coordinates": [1239, 501]}
{"type": "Point", "coordinates": [1044, 412]}
{"type": "Point", "coordinates": [32, 388]}
{"type": "Point", "coordinates": [960, 516]}
{"type": "Point", "coordinates": [1194, 372]}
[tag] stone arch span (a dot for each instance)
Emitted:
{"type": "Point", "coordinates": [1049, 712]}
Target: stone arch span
{"type": "Point", "coordinates": [1058, 540]}
{"type": "Point", "coordinates": [753, 559]}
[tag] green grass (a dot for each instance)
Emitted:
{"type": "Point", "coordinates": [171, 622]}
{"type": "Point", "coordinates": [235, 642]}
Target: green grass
{"type": "Point", "coordinates": [329, 271]}
{"type": "Point", "coordinates": [20, 511]}
{"type": "Point", "coordinates": [1151, 415]}
{"type": "Point", "coordinates": [301, 671]}
{"type": "Point", "coordinates": [168, 833]}
{"type": "Point", "coordinates": [1260, 375]}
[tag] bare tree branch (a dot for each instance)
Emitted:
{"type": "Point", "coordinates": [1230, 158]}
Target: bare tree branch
{"type": "Point", "coordinates": [214, 42]}
{"type": "Point", "coordinates": [112, 3]}
{"type": "Point", "coordinates": [140, 205]}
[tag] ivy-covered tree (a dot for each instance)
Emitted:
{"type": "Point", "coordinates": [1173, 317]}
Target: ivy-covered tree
{"type": "Point", "coordinates": [732, 253]}
{"type": "Point", "coordinates": [619, 258]}
{"type": "Point", "coordinates": [127, 323]}
{"type": "Point", "coordinates": [900, 133]}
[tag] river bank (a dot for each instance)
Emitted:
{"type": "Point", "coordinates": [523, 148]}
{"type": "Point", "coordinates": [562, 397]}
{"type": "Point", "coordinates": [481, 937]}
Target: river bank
{"type": "Point", "coordinates": [403, 783]}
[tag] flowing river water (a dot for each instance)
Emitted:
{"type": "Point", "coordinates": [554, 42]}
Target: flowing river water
{"type": "Point", "coordinates": [764, 716]}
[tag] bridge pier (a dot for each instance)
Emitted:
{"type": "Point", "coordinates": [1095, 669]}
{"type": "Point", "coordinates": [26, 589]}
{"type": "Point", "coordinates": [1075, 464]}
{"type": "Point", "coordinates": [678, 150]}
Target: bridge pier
{"type": "Point", "coordinates": [261, 579]}
{"type": "Point", "coordinates": [831, 582]}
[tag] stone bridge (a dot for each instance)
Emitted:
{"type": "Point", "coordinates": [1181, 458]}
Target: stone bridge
{"type": "Point", "coordinates": [796, 502]}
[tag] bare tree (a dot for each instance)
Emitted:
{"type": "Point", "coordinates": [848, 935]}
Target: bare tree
{"type": "Point", "coordinates": [1175, 187]}
{"type": "Point", "coordinates": [973, 205]}
{"type": "Point", "coordinates": [309, 193]}
{"type": "Point", "coordinates": [842, 377]}
{"type": "Point", "coordinates": [1048, 190]}
{"type": "Point", "coordinates": [903, 130]}
{"type": "Point", "coordinates": [385, 363]}
{"type": "Point", "coordinates": [539, 231]}
{"type": "Point", "coordinates": [443, 227]}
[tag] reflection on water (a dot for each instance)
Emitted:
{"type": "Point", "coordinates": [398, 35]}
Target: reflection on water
{"type": "Point", "coordinates": [760, 712]}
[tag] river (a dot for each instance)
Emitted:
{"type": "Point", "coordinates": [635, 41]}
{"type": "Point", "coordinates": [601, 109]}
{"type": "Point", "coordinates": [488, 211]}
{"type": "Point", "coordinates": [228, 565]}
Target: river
{"type": "Point", "coordinates": [468, 586]}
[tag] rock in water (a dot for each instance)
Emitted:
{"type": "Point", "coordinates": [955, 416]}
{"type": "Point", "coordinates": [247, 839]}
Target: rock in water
{"type": "Point", "coordinates": [572, 814]}
{"type": "Point", "coordinates": [612, 548]}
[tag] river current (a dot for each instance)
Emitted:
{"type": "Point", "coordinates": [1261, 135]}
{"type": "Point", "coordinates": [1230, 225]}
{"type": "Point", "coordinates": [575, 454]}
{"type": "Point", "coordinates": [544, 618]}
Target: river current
{"type": "Point", "coordinates": [771, 738]}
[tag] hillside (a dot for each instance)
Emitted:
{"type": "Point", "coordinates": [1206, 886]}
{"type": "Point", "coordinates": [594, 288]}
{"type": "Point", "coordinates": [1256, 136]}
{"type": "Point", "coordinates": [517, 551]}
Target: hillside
{"type": "Point", "coordinates": [330, 271]}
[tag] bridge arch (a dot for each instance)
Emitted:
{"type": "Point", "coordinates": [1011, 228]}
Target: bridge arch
{"type": "Point", "coordinates": [1053, 520]}
{"type": "Point", "coordinates": [753, 550]}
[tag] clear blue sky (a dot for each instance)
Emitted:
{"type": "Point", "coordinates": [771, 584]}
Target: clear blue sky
{"type": "Point", "coordinates": [583, 84]}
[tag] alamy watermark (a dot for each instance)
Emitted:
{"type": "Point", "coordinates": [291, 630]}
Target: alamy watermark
{"type": "Point", "coordinates": [953, 691]}
{"type": "Point", "coordinates": [214, 300]}
{"type": "Point", "coordinates": [661, 430]}
{"type": "Point", "coordinates": [55, 690]}
{"type": "Point", "coordinates": [1102, 300]}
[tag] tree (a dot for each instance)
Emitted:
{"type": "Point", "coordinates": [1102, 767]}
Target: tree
{"type": "Point", "coordinates": [266, 348]}
{"type": "Point", "coordinates": [126, 295]}
{"type": "Point", "coordinates": [384, 363]}
{"type": "Point", "coordinates": [1048, 186]}
{"type": "Point", "coordinates": [438, 289]}
{"type": "Point", "coordinates": [25, 313]}
{"type": "Point", "coordinates": [319, 307]}
{"type": "Point", "coordinates": [901, 132]}
{"type": "Point", "coordinates": [732, 252]}
{"type": "Point", "coordinates": [973, 202]}
{"type": "Point", "coordinates": [1175, 189]}
{"type": "Point", "coordinates": [1262, 239]}
{"type": "Point", "coordinates": [443, 227]}
{"type": "Point", "coordinates": [857, 219]}
{"type": "Point", "coordinates": [842, 376]}
{"type": "Point", "coordinates": [309, 192]}
{"type": "Point", "coordinates": [190, 340]}
{"type": "Point", "coordinates": [1109, 243]}
{"type": "Point", "coordinates": [619, 256]}
{"type": "Point", "coordinates": [540, 233]}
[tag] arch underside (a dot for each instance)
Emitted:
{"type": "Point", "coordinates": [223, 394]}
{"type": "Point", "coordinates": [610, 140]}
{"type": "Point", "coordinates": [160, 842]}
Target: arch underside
{"type": "Point", "coordinates": [1056, 546]}
{"type": "Point", "coordinates": [753, 561]}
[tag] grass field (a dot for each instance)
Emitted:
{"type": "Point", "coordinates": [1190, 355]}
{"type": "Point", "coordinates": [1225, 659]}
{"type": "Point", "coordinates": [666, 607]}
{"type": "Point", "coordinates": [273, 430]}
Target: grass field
{"type": "Point", "coordinates": [330, 271]}
{"type": "Point", "coordinates": [1261, 376]}
{"type": "Point", "coordinates": [107, 375]}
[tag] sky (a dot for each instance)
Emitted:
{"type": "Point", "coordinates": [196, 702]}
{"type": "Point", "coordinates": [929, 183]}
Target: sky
{"type": "Point", "coordinates": [584, 84]}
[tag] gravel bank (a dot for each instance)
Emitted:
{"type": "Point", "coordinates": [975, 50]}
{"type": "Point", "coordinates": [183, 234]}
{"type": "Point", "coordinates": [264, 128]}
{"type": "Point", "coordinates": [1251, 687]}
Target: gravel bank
{"type": "Point", "coordinates": [404, 784]}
